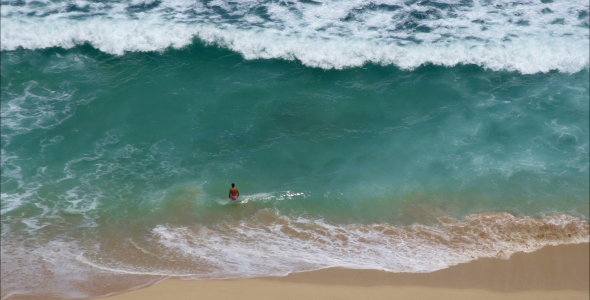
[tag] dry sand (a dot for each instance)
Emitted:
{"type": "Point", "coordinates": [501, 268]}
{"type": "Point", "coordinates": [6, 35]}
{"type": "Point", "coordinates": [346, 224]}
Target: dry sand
{"type": "Point", "coordinates": [560, 272]}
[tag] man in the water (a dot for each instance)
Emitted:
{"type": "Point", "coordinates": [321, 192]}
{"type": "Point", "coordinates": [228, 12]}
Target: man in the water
{"type": "Point", "coordinates": [234, 193]}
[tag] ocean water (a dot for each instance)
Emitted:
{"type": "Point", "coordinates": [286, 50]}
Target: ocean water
{"type": "Point", "coordinates": [405, 136]}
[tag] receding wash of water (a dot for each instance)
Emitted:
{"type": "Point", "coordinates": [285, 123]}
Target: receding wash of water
{"type": "Point", "coordinates": [404, 136]}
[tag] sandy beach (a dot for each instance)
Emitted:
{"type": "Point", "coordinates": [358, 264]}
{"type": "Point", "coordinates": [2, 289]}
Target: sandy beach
{"type": "Point", "coordinates": [554, 272]}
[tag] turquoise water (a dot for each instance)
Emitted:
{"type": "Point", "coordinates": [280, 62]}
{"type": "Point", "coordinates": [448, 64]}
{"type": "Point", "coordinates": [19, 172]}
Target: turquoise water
{"type": "Point", "coordinates": [351, 146]}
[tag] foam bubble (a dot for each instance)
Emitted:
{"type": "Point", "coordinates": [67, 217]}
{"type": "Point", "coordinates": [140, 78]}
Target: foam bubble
{"type": "Point", "coordinates": [292, 245]}
{"type": "Point", "coordinates": [268, 244]}
{"type": "Point", "coordinates": [51, 270]}
{"type": "Point", "coordinates": [37, 107]}
{"type": "Point", "coordinates": [527, 37]}
{"type": "Point", "coordinates": [271, 244]}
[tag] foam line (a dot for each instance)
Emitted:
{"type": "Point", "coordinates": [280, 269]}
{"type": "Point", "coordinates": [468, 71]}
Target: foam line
{"type": "Point", "coordinates": [527, 37]}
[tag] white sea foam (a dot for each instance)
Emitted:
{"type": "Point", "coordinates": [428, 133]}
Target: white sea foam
{"type": "Point", "coordinates": [276, 196]}
{"type": "Point", "coordinates": [268, 244]}
{"type": "Point", "coordinates": [37, 107]}
{"type": "Point", "coordinates": [524, 36]}
{"type": "Point", "coordinates": [304, 244]}
{"type": "Point", "coordinates": [51, 270]}
{"type": "Point", "coordinates": [272, 244]}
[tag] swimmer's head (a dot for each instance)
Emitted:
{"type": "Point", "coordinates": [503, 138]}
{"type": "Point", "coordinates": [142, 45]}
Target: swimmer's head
{"type": "Point", "coordinates": [233, 185]}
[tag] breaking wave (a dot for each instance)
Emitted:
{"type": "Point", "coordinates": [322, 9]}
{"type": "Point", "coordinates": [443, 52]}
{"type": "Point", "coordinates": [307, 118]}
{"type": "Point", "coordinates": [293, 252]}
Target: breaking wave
{"type": "Point", "coordinates": [524, 36]}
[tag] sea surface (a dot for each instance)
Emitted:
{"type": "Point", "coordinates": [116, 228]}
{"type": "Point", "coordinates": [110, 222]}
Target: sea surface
{"type": "Point", "coordinates": [404, 136]}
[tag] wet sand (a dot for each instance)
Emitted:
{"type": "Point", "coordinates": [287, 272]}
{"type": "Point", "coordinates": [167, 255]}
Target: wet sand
{"type": "Point", "coordinates": [554, 272]}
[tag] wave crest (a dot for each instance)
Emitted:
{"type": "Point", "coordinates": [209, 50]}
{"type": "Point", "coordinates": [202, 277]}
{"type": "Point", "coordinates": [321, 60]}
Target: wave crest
{"type": "Point", "coordinates": [527, 37]}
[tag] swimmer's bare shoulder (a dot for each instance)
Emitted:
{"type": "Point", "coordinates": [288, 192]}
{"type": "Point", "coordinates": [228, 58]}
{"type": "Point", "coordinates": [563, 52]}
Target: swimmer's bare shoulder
{"type": "Point", "coordinates": [233, 192]}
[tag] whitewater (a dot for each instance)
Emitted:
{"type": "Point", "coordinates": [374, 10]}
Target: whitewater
{"type": "Point", "coordinates": [524, 36]}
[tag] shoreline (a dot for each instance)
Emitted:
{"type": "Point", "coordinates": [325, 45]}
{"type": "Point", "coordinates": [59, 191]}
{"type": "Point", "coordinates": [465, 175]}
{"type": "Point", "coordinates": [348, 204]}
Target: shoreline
{"type": "Point", "coordinates": [552, 272]}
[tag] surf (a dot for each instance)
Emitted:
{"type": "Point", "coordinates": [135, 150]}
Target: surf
{"type": "Point", "coordinates": [527, 36]}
